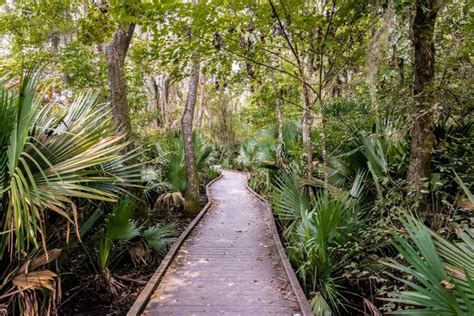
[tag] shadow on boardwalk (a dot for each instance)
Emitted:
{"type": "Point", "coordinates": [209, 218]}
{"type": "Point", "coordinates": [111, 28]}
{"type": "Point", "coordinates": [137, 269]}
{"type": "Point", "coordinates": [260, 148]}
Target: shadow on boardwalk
{"type": "Point", "coordinates": [229, 265]}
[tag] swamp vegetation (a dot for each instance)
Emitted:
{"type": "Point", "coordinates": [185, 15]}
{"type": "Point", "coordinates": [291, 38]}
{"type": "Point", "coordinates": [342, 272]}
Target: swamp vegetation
{"type": "Point", "coordinates": [353, 118]}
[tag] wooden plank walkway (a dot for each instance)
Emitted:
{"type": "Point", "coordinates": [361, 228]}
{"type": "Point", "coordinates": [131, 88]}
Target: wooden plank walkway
{"type": "Point", "coordinates": [229, 264]}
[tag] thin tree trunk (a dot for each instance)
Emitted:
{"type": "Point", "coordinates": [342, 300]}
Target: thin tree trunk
{"type": "Point", "coordinates": [307, 122]}
{"type": "Point", "coordinates": [202, 101]}
{"type": "Point", "coordinates": [422, 131]}
{"type": "Point", "coordinates": [192, 180]}
{"type": "Point", "coordinates": [115, 53]}
{"type": "Point", "coordinates": [322, 130]}
{"type": "Point", "coordinates": [401, 70]}
{"type": "Point", "coordinates": [279, 143]}
{"type": "Point", "coordinates": [154, 99]}
{"type": "Point", "coordinates": [322, 134]}
{"type": "Point", "coordinates": [165, 86]}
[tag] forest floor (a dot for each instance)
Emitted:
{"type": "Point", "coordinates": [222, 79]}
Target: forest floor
{"type": "Point", "coordinates": [229, 264]}
{"type": "Point", "coordinates": [85, 295]}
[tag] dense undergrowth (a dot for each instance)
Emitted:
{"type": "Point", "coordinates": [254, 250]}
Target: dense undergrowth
{"type": "Point", "coordinates": [76, 227]}
{"type": "Point", "coordinates": [354, 118]}
{"type": "Point", "coordinates": [358, 244]}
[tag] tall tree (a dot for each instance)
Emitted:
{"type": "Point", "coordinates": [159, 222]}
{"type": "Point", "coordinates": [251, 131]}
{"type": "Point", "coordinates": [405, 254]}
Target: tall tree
{"type": "Point", "coordinates": [116, 52]}
{"type": "Point", "coordinates": [423, 91]}
{"type": "Point", "coordinates": [304, 76]}
{"type": "Point", "coordinates": [191, 194]}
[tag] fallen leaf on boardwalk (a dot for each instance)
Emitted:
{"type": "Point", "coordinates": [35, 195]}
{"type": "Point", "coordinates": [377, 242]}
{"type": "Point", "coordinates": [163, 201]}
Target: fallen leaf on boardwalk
{"type": "Point", "coordinates": [238, 231]}
{"type": "Point", "coordinates": [260, 258]}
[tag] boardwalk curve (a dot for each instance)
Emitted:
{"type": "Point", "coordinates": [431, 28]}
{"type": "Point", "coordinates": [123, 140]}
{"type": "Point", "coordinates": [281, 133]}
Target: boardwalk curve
{"type": "Point", "coordinates": [231, 263]}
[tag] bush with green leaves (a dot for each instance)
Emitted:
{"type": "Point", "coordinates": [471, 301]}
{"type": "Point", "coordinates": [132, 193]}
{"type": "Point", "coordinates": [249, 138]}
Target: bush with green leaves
{"type": "Point", "coordinates": [375, 159]}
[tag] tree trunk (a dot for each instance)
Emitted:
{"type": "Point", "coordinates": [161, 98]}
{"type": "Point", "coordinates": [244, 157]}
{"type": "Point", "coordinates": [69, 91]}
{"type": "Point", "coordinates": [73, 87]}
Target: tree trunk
{"type": "Point", "coordinates": [307, 122]}
{"type": "Point", "coordinates": [165, 86]}
{"type": "Point", "coordinates": [422, 129]}
{"type": "Point", "coordinates": [279, 143]}
{"type": "Point", "coordinates": [202, 101]}
{"type": "Point", "coordinates": [115, 53]}
{"type": "Point", "coordinates": [154, 100]}
{"type": "Point", "coordinates": [192, 181]}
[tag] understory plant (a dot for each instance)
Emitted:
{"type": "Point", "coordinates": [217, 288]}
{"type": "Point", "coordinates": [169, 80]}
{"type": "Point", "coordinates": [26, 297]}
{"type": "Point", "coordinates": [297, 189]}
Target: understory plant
{"type": "Point", "coordinates": [260, 149]}
{"type": "Point", "coordinates": [167, 179]}
{"type": "Point", "coordinates": [438, 275]}
{"type": "Point", "coordinates": [52, 157]}
{"type": "Point", "coordinates": [121, 232]}
{"type": "Point", "coordinates": [340, 265]}
{"type": "Point", "coordinates": [317, 228]}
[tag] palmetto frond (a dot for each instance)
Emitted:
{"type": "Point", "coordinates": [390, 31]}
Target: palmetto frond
{"type": "Point", "coordinates": [174, 168]}
{"type": "Point", "coordinates": [442, 272]}
{"type": "Point", "coordinates": [50, 155]}
{"type": "Point", "coordinates": [120, 225]}
{"type": "Point", "coordinates": [319, 306]}
{"type": "Point", "coordinates": [160, 237]}
{"type": "Point", "coordinates": [288, 198]}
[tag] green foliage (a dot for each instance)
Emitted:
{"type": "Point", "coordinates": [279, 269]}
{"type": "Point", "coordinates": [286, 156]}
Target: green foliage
{"type": "Point", "coordinates": [260, 149]}
{"type": "Point", "coordinates": [57, 159]}
{"type": "Point", "coordinates": [120, 229]}
{"type": "Point", "coordinates": [453, 153]}
{"type": "Point", "coordinates": [168, 178]}
{"type": "Point", "coordinates": [288, 198]}
{"type": "Point", "coordinates": [119, 225]}
{"type": "Point", "coordinates": [81, 66]}
{"type": "Point", "coordinates": [160, 237]}
{"type": "Point", "coordinates": [49, 156]}
{"type": "Point", "coordinates": [440, 275]}
{"type": "Point", "coordinates": [316, 230]}
{"type": "Point", "coordinates": [52, 157]}
{"type": "Point", "coordinates": [95, 26]}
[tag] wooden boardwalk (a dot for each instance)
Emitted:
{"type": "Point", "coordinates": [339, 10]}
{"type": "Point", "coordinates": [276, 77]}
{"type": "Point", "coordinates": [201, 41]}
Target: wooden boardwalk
{"type": "Point", "coordinates": [229, 264]}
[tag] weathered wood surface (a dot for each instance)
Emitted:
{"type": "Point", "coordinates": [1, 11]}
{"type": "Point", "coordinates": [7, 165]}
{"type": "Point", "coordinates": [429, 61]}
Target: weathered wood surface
{"type": "Point", "coordinates": [229, 264]}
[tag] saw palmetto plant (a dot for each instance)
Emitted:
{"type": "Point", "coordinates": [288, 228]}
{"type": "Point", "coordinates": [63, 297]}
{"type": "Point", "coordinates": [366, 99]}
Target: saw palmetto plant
{"type": "Point", "coordinates": [120, 232]}
{"type": "Point", "coordinates": [170, 182]}
{"type": "Point", "coordinates": [438, 274]}
{"type": "Point", "coordinates": [51, 156]}
{"type": "Point", "coordinates": [315, 227]}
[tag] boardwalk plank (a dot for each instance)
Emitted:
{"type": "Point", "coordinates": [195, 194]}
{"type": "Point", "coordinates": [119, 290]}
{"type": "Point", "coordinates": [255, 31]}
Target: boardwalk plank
{"type": "Point", "coordinates": [229, 264]}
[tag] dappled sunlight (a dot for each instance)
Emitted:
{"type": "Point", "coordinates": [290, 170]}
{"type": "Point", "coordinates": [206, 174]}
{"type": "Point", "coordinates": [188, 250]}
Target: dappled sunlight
{"type": "Point", "coordinates": [243, 157]}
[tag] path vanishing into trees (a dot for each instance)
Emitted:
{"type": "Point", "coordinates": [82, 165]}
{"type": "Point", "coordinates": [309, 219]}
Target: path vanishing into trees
{"type": "Point", "coordinates": [230, 264]}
